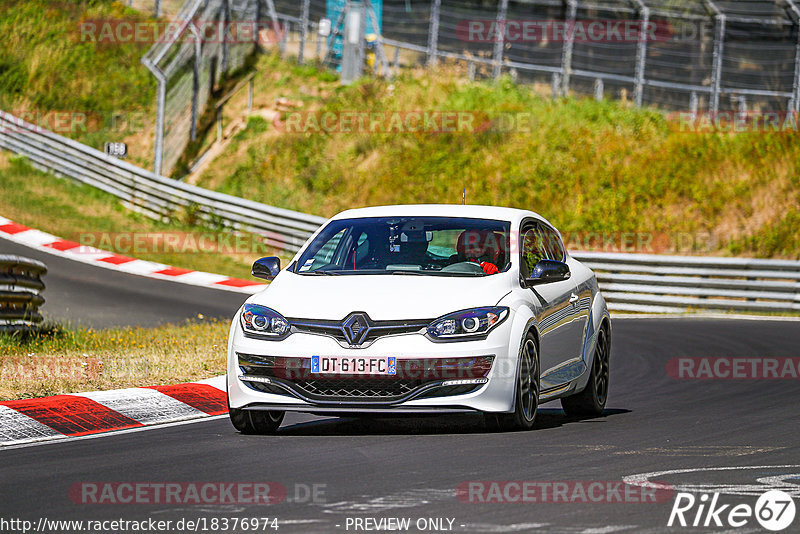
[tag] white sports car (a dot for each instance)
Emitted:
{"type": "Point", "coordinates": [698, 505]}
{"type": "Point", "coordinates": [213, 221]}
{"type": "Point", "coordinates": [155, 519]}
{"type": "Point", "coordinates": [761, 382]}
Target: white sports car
{"type": "Point", "coordinates": [404, 310]}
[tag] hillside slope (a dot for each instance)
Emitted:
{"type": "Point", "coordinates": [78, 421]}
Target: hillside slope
{"type": "Point", "coordinates": [592, 168]}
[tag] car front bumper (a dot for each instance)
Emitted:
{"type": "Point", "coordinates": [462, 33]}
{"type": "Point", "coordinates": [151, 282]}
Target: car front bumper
{"type": "Point", "coordinates": [496, 395]}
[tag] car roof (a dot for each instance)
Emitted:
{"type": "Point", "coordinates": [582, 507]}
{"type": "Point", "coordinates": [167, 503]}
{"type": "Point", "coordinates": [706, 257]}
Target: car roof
{"type": "Point", "coordinates": [512, 215]}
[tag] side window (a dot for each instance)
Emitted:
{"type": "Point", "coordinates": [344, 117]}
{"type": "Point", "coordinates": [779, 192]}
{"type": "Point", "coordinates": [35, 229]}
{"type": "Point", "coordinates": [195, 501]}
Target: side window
{"type": "Point", "coordinates": [553, 244]}
{"type": "Point", "coordinates": [324, 255]}
{"type": "Point", "coordinates": [533, 249]}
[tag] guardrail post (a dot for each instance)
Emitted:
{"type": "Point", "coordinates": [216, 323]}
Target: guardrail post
{"type": "Point", "coordinates": [499, 44]}
{"type": "Point", "coordinates": [555, 84]}
{"type": "Point", "coordinates": [303, 32]}
{"type": "Point", "coordinates": [693, 104]}
{"type": "Point", "coordinates": [598, 89]}
{"type": "Point", "coordinates": [250, 94]}
{"type": "Point", "coordinates": [433, 33]}
{"type": "Point", "coordinates": [566, 51]}
{"type": "Point", "coordinates": [156, 8]}
{"type": "Point", "coordinates": [641, 54]}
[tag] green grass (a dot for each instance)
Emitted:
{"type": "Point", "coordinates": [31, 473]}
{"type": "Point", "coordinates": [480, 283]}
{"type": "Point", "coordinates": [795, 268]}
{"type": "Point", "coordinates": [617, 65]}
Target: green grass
{"type": "Point", "coordinates": [587, 166]}
{"type": "Point", "coordinates": [46, 67]}
{"type": "Point", "coordinates": [89, 216]}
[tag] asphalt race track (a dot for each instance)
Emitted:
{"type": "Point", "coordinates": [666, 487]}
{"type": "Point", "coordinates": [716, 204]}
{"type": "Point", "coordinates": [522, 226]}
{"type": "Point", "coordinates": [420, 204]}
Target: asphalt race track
{"type": "Point", "coordinates": [410, 468]}
{"type": "Point", "coordinates": [100, 298]}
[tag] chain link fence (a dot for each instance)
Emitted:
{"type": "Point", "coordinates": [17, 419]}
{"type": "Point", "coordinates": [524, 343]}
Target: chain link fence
{"type": "Point", "coordinates": [699, 56]}
{"type": "Point", "coordinates": [207, 41]}
{"type": "Point", "coordinates": [693, 55]}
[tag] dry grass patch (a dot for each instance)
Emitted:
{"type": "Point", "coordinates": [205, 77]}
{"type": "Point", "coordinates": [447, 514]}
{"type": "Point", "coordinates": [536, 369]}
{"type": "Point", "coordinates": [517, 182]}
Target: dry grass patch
{"type": "Point", "coordinates": [58, 359]}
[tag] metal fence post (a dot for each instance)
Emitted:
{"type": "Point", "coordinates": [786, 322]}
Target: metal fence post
{"type": "Point", "coordinates": [225, 44]}
{"type": "Point", "coordinates": [273, 15]}
{"type": "Point", "coordinates": [598, 89]}
{"type": "Point", "coordinates": [794, 100]}
{"type": "Point", "coordinates": [303, 32]}
{"type": "Point", "coordinates": [198, 51]}
{"type": "Point", "coordinates": [641, 53]}
{"type": "Point", "coordinates": [566, 51]}
{"type": "Point", "coordinates": [500, 42]}
{"type": "Point", "coordinates": [716, 68]}
{"type": "Point", "coordinates": [161, 104]}
{"type": "Point", "coordinates": [433, 33]}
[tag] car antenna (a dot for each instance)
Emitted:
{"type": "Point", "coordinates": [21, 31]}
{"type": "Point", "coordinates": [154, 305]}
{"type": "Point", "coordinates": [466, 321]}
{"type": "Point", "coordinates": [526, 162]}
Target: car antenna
{"type": "Point", "coordinates": [464, 197]}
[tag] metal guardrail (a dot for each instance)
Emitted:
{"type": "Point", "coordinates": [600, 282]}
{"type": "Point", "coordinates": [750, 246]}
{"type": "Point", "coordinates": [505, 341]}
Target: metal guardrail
{"type": "Point", "coordinates": [674, 284]}
{"type": "Point", "coordinates": [153, 195]}
{"type": "Point", "coordinates": [20, 292]}
{"type": "Point", "coordinates": [630, 282]}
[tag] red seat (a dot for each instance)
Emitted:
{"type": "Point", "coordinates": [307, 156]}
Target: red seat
{"type": "Point", "coordinates": [480, 244]}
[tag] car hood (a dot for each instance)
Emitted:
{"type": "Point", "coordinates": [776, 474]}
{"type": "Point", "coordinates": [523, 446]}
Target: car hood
{"type": "Point", "coordinates": [382, 297]}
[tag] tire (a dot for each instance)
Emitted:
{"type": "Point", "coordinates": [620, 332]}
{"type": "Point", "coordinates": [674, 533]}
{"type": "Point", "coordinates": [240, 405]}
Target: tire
{"type": "Point", "coordinates": [526, 400]}
{"type": "Point", "coordinates": [255, 421]}
{"type": "Point", "coordinates": [592, 400]}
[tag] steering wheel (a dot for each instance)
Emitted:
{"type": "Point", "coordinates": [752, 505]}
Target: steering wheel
{"type": "Point", "coordinates": [463, 267]}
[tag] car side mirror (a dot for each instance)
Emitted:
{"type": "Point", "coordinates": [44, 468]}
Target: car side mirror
{"type": "Point", "coordinates": [547, 271]}
{"type": "Point", "coordinates": [266, 268]}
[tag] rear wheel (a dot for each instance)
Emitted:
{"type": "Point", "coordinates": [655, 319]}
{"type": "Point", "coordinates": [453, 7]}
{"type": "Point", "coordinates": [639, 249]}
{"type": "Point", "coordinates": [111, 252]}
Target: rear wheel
{"type": "Point", "coordinates": [592, 400]}
{"type": "Point", "coordinates": [255, 421]}
{"type": "Point", "coordinates": [527, 392]}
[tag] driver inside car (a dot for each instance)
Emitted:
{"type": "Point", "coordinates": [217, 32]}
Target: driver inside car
{"type": "Point", "coordinates": [481, 247]}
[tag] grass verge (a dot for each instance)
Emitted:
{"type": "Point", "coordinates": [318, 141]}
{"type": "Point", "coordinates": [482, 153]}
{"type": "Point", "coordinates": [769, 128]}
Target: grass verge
{"type": "Point", "coordinates": [89, 216]}
{"type": "Point", "coordinates": [59, 359]}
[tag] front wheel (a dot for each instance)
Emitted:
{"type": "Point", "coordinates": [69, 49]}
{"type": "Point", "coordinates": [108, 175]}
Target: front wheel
{"type": "Point", "coordinates": [592, 400]}
{"type": "Point", "coordinates": [526, 401]}
{"type": "Point", "coordinates": [255, 421]}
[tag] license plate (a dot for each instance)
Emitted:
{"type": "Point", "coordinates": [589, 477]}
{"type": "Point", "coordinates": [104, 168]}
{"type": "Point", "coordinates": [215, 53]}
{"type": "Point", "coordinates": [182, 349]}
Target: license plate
{"type": "Point", "coordinates": [354, 365]}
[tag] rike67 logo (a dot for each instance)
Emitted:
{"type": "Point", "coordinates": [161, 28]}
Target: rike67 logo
{"type": "Point", "coordinates": [774, 510]}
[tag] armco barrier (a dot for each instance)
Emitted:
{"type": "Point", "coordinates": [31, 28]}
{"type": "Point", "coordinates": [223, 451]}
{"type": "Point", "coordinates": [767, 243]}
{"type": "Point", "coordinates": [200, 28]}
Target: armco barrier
{"type": "Point", "coordinates": [20, 292]}
{"type": "Point", "coordinates": [655, 283]}
{"type": "Point", "coordinates": [145, 191]}
{"type": "Point", "coordinates": [630, 282]}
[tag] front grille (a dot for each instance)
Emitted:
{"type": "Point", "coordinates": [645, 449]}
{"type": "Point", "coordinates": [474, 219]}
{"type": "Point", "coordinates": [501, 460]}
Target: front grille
{"type": "Point", "coordinates": [413, 376]}
{"type": "Point", "coordinates": [357, 388]}
{"type": "Point", "coordinates": [377, 329]}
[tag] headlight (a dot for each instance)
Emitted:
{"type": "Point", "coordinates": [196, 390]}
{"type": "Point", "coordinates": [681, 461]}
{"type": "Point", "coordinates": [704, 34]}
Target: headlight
{"type": "Point", "coordinates": [264, 322]}
{"type": "Point", "coordinates": [467, 324]}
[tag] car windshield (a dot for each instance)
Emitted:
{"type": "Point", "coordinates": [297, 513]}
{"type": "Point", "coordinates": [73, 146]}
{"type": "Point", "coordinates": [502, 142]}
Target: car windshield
{"type": "Point", "coordinates": [442, 246]}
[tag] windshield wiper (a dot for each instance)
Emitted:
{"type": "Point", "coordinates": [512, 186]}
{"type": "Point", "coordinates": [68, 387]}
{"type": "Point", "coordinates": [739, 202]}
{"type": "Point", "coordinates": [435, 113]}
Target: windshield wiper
{"type": "Point", "coordinates": [326, 273]}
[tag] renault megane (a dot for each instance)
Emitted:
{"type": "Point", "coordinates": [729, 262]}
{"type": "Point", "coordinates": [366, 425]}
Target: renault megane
{"type": "Point", "coordinates": [431, 309]}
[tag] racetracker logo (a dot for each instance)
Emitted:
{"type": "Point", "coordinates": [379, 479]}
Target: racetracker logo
{"type": "Point", "coordinates": [774, 511]}
{"type": "Point", "coordinates": [177, 493]}
{"type": "Point", "coordinates": [727, 368]}
{"type": "Point", "coordinates": [560, 491]}
{"type": "Point", "coordinates": [579, 31]}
